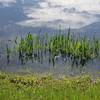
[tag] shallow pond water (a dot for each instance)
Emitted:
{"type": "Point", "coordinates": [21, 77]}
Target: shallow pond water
{"type": "Point", "coordinates": [60, 68]}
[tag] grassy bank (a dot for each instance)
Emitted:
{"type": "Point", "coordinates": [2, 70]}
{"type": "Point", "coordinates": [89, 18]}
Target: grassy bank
{"type": "Point", "coordinates": [35, 87]}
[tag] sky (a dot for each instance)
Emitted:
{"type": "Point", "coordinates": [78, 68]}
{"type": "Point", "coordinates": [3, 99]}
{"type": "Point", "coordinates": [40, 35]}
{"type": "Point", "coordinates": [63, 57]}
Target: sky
{"type": "Point", "coordinates": [52, 13]}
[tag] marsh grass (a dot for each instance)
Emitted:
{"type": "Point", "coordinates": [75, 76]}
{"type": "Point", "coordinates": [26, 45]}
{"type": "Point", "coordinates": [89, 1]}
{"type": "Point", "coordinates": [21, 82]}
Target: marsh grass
{"type": "Point", "coordinates": [41, 48]}
{"type": "Point", "coordinates": [45, 87]}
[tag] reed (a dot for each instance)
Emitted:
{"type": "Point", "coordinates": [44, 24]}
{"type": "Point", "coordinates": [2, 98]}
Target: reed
{"type": "Point", "coordinates": [40, 47]}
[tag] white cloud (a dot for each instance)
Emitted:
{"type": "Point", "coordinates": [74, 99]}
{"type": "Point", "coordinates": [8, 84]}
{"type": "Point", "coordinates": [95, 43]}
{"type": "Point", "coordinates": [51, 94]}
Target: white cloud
{"type": "Point", "coordinates": [53, 10]}
{"type": "Point", "coordinates": [7, 2]}
{"type": "Point", "coordinates": [88, 5]}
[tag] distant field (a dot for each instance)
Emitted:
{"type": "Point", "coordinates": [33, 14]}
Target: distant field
{"type": "Point", "coordinates": [45, 87]}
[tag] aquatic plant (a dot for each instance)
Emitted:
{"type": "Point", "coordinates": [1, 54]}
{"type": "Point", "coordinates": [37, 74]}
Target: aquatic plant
{"type": "Point", "coordinates": [36, 48]}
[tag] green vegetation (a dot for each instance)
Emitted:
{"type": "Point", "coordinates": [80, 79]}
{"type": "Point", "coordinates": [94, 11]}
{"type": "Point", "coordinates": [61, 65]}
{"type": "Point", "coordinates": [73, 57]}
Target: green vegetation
{"type": "Point", "coordinates": [78, 51]}
{"type": "Point", "coordinates": [41, 48]}
{"type": "Point", "coordinates": [45, 87]}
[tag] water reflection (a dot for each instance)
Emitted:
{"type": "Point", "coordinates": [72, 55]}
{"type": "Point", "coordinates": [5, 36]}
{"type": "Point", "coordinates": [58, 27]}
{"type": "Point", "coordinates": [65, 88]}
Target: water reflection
{"type": "Point", "coordinates": [64, 68]}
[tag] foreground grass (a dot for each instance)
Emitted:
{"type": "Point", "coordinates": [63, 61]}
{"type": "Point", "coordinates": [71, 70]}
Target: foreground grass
{"type": "Point", "coordinates": [34, 87]}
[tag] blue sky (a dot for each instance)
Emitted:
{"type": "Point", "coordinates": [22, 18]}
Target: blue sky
{"type": "Point", "coordinates": [52, 13]}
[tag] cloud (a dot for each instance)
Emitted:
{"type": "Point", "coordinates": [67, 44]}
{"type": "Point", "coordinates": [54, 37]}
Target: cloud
{"type": "Point", "coordinates": [7, 3]}
{"type": "Point", "coordinates": [52, 13]}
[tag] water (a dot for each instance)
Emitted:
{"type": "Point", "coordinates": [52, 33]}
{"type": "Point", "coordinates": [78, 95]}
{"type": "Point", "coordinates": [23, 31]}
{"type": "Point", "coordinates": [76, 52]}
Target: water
{"type": "Point", "coordinates": [60, 68]}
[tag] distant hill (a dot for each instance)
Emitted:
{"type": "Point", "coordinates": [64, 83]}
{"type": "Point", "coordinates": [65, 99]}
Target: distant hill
{"type": "Point", "coordinates": [13, 29]}
{"type": "Point", "coordinates": [91, 29]}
